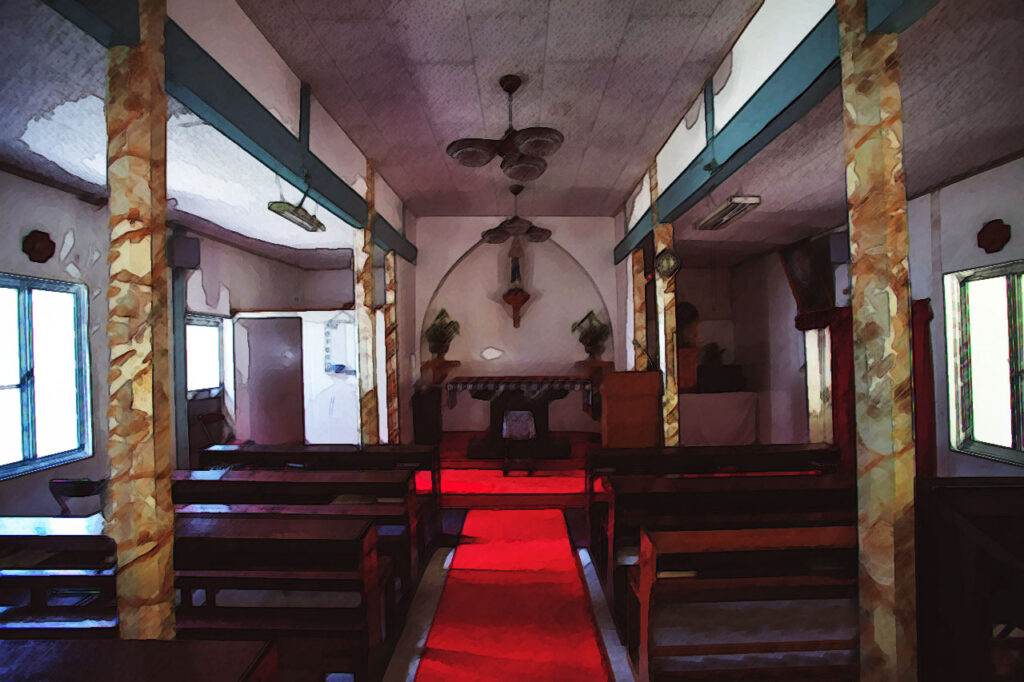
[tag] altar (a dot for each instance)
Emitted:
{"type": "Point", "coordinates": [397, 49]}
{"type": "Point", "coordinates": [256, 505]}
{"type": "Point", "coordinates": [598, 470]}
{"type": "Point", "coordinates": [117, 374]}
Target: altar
{"type": "Point", "coordinates": [518, 425]}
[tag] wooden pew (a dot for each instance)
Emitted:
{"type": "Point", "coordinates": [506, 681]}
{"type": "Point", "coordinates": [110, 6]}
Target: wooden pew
{"type": "Point", "coordinates": [131, 660]}
{"type": "Point", "coordinates": [260, 486]}
{"type": "Point", "coordinates": [367, 493]}
{"type": "Point", "coordinates": [806, 458]}
{"type": "Point", "coordinates": [397, 524]}
{"type": "Point", "coordinates": [654, 502]}
{"type": "Point", "coordinates": [333, 558]}
{"type": "Point", "coordinates": [381, 457]}
{"type": "Point", "coordinates": [57, 578]}
{"type": "Point", "coordinates": [767, 604]}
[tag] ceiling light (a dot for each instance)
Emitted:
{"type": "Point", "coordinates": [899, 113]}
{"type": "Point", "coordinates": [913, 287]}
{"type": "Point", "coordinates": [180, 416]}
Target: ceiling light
{"type": "Point", "coordinates": [515, 226]}
{"type": "Point", "coordinates": [298, 215]}
{"type": "Point", "coordinates": [520, 150]}
{"type": "Point", "coordinates": [732, 209]}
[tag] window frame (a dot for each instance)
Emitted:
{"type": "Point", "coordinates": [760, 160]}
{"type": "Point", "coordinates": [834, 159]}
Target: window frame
{"type": "Point", "coordinates": [202, 320]}
{"type": "Point", "coordinates": [30, 460]}
{"type": "Point", "coordinates": [958, 358]}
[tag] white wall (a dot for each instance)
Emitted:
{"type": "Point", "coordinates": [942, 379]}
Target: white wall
{"type": "Point", "coordinates": [566, 277]}
{"type": "Point", "coordinates": [229, 278]}
{"type": "Point", "coordinates": [770, 348]}
{"type": "Point", "coordinates": [943, 229]}
{"type": "Point", "coordinates": [222, 29]}
{"type": "Point", "coordinates": [81, 233]}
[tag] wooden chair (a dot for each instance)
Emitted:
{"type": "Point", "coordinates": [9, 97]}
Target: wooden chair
{"type": "Point", "coordinates": [64, 489]}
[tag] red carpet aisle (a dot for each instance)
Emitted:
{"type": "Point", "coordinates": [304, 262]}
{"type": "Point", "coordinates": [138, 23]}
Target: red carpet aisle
{"type": "Point", "coordinates": [513, 606]}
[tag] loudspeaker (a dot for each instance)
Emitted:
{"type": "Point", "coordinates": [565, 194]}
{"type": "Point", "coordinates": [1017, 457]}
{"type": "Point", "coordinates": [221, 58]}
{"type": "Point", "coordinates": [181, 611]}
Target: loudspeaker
{"type": "Point", "coordinates": [839, 247]}
{"type": "Point", "coordinates": [183, 252]}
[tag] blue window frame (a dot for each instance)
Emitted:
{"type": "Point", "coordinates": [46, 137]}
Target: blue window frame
{"type": "Point", "coordinates": [44, 374]}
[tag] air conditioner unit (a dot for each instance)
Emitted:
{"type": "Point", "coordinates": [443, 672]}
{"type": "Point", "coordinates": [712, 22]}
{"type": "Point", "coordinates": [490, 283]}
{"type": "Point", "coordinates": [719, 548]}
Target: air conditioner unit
{"type": "Point", "coordinates": [724, 214]}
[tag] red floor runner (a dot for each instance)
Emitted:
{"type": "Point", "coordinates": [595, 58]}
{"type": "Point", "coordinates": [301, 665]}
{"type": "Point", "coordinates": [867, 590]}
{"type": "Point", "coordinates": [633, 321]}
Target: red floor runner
{"type": "Point", "coordinates": [513, 606]}
{"type": "Point", "coordinates": [490, 482]}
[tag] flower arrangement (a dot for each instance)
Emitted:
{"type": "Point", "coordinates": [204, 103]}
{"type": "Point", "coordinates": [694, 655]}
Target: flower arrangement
{"type": "Point", "coordinates": [592, 333]}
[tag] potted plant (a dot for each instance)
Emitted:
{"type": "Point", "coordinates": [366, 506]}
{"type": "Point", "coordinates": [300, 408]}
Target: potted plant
{"type": "Point", "coordinates": [592, 333]}
{"type": "Point", "coordinates": [440, 333]}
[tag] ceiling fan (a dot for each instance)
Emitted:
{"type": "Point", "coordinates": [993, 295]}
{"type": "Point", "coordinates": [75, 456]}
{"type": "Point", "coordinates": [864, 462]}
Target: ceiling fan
{"type": "Point", "coordinates": [515, 226]}
{"type": "Point", "coordinates": [521, 151]}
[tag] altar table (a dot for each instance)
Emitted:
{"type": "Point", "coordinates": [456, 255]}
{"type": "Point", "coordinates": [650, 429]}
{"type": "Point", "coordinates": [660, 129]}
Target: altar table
{"type": "Point", "coordinates": [518, 394]}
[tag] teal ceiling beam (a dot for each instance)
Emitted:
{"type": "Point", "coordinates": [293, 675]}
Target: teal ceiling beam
{"type": "Point", "coordinates": [895, 16]}
{"type": "Point", "coordinates": [801, 82]}
{"type": "Point", "coordinates": [196, 80]}
{"type": "Point", "coordinates": [632, 240]}
{"type": "Point", "coordinates": [110, 22]}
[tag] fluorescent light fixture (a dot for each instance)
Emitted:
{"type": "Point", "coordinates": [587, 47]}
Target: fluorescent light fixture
{"type": "Point", "coordinates": [722, 215]}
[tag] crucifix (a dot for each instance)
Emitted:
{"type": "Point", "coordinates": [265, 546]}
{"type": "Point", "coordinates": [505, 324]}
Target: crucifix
{"type": "Point", "coordinates": [516, 229]}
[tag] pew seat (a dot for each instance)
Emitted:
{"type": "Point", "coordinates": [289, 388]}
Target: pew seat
{"type": "Point", "coordinates": [769, 604]}
{"type": "Point", "coordinates": [244, 578]}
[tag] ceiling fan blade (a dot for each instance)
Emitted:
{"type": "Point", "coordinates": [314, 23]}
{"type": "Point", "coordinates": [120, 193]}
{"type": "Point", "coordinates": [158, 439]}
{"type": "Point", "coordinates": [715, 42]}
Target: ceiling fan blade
{"type": "Point", "coordinates": [538, 141]}
{"type": "Point", "coordinates": [522, 167]}
{"type": "Point", "coordinates": [515, 225]}
{"type": "Point", "coordinates": [495, 235]}
{"type": "Point", "coordinates": [538, 234]}
{"type": "Point", "coordinates": [473, 151]}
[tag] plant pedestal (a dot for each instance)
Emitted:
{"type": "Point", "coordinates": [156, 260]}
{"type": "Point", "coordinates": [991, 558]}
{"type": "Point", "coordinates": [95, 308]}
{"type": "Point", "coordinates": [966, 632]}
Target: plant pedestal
{"type": "Point", "coordinates": [436, 370]}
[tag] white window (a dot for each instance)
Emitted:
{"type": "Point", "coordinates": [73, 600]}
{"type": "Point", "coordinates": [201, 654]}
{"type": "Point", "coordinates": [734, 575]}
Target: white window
{"type": "Point", "coordinates": [44, 374]}
{"type": "Point", "coordinates": [985, 342]}
{"type": "Point", "coordinates": [818, 347]}
{"type": "Point", "coordinates": [204, 354]}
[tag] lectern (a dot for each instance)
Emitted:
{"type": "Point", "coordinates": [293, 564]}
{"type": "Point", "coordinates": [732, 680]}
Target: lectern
{"type": "Point", "coordinates": [631, 415]}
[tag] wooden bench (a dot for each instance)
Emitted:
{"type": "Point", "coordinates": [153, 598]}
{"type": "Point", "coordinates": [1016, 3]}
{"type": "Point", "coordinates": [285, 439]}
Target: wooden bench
{"type": "Point", "coordinates": [398, 532]}
{"type": "Point", "coordinates": [130, 660]}
{"type": "Point", "coordinates": [767, 604]}
{"type": "Point", "coordinates": [811, 459]}
{"type": "Point", "coordinates": [381, 457]}
{"type": "Point", "coordinates": [57, 578]}
{"type": "Point", "coordinates": [635, 502]}
{"type": "Point", "coordinates": [231, 572]}
{"type": "Point", "coordinates": [360, 494]}
{"type": "Point", "coordinates": [259, 486]}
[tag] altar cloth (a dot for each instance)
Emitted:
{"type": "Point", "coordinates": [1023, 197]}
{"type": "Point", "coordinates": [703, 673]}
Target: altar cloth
{"type": "Point", "coordinates": [717, 418]}
{"type": "Point", "coordinates": [532, 387]}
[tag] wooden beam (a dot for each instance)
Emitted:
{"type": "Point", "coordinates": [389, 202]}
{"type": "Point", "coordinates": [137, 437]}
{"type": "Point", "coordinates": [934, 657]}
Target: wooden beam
{"type": "Point", "coordinates": [138, 512]}
{"type": "Point", "coordinates": [880, 300]}
{"type": "Point", "coordinates": [369, 419]}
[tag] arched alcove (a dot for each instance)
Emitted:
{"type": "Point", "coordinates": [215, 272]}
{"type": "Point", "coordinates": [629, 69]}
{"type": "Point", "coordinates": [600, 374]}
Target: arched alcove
{"type": "Point", "coordinates": [561, 292]}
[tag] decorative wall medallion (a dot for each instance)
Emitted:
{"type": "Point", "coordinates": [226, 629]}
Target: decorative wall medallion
{"type": "Point", "coordinates": [38, 246]}
{"type": "Point", "coordinates": [993, 236]}
{"type": "Point", "coordinates": [666, 263]}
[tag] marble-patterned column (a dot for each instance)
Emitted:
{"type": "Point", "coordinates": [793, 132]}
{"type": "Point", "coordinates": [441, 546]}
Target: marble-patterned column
{"type": "Point", "coordinates": [877, 205]}
{"type": "Point", "coordinates": [639, 283]}
{"type": "Point", "coordinates": [665, 295]}
{"type": "Point", "coordinates": [138, 512]}
{"type": "Point", "coordinates": [362, 255]}
{"type": "Point", "coordinates": [391, 345]}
